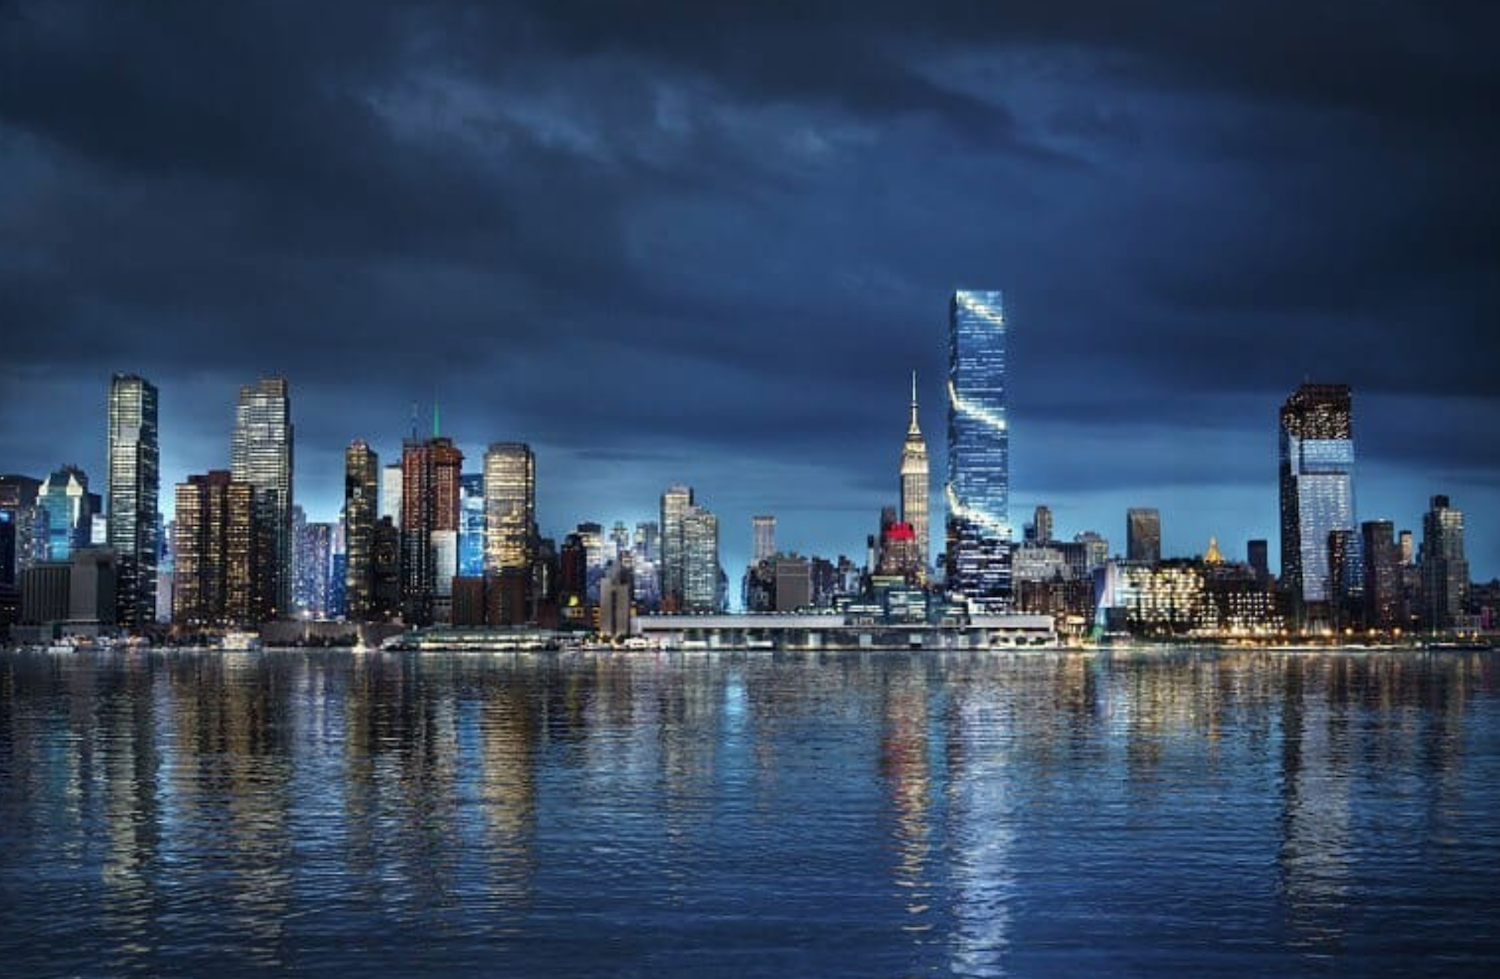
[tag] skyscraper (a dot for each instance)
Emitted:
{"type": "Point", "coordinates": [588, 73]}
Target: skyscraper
{"type": "Point", "coordinates": [1445, 570]}
{"type": "Point", "coordinates": [261, 455]}
{"type": "Point", "coordinates": [978, 490]}
{"type": "Point", "coordinates": [17, 506]}
{"type": "Point", "coordinates": [132, 490]}
{"type": "Point", "coordinates": [1143, 535]}
{"type": "Point", "coordinates": [214, 551]}
{"type": "Point", "coordinates": [68, 509]}
{"type": "Point", "coordinates": [361, 476]}
{"type": "Point", "coordinates": [762, 538]}
{"type": "Point", "coordinates": [471, 525]}
{"type": "Point", "coordinates": [1317, 490]}
{"type": "Point", "coordinates": [675, 503]}
{"type": "Point", "coordinates": [510, 532]}
{"type": "Point", "coordinates": [915, 482]}
{"type": "Point", "coordinates": [1041, 523]}
{"type": "Point", "coordinates": [1382, 596]}
{"type": "Point", "coordinates": [431, 469]}
{"type": "Point", "coordinates": [700, 560]}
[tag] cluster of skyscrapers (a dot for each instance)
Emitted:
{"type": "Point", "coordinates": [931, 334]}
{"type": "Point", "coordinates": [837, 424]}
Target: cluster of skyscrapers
{"type": "Point", "coordinates": [421, 542]}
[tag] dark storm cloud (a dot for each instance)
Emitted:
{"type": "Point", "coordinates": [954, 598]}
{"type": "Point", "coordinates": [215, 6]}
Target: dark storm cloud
{"type": "Point", "coordinates": [677, 241]}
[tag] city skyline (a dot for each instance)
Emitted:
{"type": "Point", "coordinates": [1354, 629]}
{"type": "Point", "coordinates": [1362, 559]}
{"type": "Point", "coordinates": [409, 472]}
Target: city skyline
{"type": "Point", "coordinates": [656, 263]}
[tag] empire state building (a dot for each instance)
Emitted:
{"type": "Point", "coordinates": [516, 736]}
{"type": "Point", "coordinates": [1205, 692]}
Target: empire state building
{"type": "Point", "coordinates": [914, 483]}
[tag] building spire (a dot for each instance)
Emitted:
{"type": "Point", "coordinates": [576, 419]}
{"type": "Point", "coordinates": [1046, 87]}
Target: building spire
{"type": "Point", "coordinates": [913, 429]}
{"type": "Point", "coordinates": [435, 427]}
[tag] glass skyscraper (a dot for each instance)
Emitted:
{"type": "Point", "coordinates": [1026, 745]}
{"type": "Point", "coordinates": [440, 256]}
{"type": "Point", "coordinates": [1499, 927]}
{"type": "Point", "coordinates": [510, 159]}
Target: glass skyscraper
{"type": "Point", "coordinates": [1317, 489]}
{"type": "Point", "coordinates": [68, 508]}
{"type": "Point", "coordinates": [978, 490]}
{"type": "Point", "coordinates": [261, 455]}
{"type": "Point", "coordinates": [510, 534]}
{"type": "Point", "coordinates": [132, 492]}
{"type": "Point", "coordinates": [471, 520]}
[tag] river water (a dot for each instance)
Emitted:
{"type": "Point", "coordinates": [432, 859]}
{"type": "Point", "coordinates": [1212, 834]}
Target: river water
{"type": "Point", "coordinates": [878, 814]}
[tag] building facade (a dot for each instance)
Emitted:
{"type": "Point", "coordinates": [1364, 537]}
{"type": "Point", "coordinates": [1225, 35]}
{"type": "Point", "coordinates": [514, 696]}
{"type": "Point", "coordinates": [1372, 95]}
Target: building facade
{"type": "Point", "coordinates": [675, 503]}
{"type": "Point", "coordinates": [65, 513]}
{"type": "Point", "coordinates": [510, 531]}
{"type": "Point", "coordinates": [1143, 535]}
{"type": "Point", "coordinates": [261, 455]}
{"type": "Point", "coordinates": [431, 470]}
{"type": "Point", "coordinates": [700, 561]}
{"type": "Point", "coordinates": [978, 488]}
{"type": "Point", "coordinates": [1444, 569]}
{"type": "Point", "coordinates": [213, 551]}
{"type": "Point", "coordinates": [361, 495]}
{"type": "Point", "coordinates": [1317, 492]}
{"type": "Point", "coordinates": [132, 492]}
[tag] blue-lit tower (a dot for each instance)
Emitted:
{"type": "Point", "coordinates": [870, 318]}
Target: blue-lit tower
{"type": "Point", "coordinates": [978, 490]}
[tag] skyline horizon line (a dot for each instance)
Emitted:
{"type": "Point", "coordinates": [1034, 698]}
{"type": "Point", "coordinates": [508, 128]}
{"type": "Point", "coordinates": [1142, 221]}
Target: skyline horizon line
{"type": "Point", "coordinates": [1233, 543]}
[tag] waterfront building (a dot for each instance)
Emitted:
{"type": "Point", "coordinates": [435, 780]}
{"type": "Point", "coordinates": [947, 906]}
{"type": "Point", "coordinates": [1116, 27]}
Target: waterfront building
{"type": "Point", "coordinates": [214, 543]}
{"type": "Point", "coordinates": [66, 514]}
{"type": "Point", "coordinates": [978, 487]}
{"type": "Point", "coordinates": [1316, 448]}
{"type": "Point", "coordinates": [430, 469]}
{"type": "Point", "coordinates": [361, 495]}
{"type": "Point", "coordinates": [701, 590]}
{"type": "Point", "coordinates": [471, 525]}
{"type": "Point", "coordinates": [1143, 535]}
{"type": "Point", "coordinates": [74, 597]}
{"type": "Point", "coordinates": [916, 482]}
{"type": "Point", "coordinates": [510, 529]}
{"type": "Point", "coordinates": [132, 490]}
{"type": "Point", "coordinates": [762, 538]}
{"type": "Point", "coordinates": [261, 455]}
{"type": "Point", "coordinates": [1444, 569]}
{"type": "Point", "coordinates": [675, 503]}
{"type": "Point", "coordinates": [1345, 578]}
{"type": "Point", "coordinates": [312, 597]}
{"type": "Point", "coordinates": [1382, 586]}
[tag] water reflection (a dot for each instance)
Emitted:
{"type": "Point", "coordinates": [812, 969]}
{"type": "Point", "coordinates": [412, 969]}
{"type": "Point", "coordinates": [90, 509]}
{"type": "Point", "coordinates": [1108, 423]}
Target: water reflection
{"type": "Point", "coordinates": [922, 813]}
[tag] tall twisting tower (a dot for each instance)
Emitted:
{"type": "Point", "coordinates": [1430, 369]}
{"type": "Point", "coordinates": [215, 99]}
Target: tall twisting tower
{"type": "Point", "coordinates": [914, 484]}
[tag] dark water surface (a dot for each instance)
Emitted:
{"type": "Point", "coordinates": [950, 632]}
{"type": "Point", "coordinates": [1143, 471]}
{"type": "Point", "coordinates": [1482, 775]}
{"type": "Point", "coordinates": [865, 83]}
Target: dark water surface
{"type": "Point", "coordinates": [748, 814]}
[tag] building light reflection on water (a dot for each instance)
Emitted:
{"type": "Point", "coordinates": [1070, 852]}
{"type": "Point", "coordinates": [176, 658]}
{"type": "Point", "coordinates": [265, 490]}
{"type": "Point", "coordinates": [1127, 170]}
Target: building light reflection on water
{"type": "Point", "coordinates": [433, 793]}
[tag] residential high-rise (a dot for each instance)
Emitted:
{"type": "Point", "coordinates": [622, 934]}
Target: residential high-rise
{"type": "Point", "coordinates": [1143, 535]}
{"type": "Point", "coordinates": [1317, 491]}
{"type": "Point", "coordinates": [915, 483]}
{"type": "Point", "coordinates": [361, 492]}
{"type": "Point", "coordinates": [762, 538]}
{"type": "Point", "coordinates": [261, 455]}
{"type": "Point", "coordinates": [213, 547]}
{"type": "Point", "coordinates": [700, 561]}
{"type": "Point", "coordinates": [510, 531]}
{"type": "Point", "coordinates": [978, 490]}
{"type": "Point", "coordinates": [1382, 591]}
{"type": "Point", "coordinates": [675, 503]}
{"type": "Point", "coordinates": [431, 470]}
{"type": "Point", "coordinates": [68, 509]}
{"type": "Point", "coordinates": [134, 466]}
{"type": "Point", "coordinates": [1445, 570]}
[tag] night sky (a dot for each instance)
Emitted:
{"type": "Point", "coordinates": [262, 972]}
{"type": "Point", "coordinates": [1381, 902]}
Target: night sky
{"type": "Point", "coordinates": [706, 243]}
